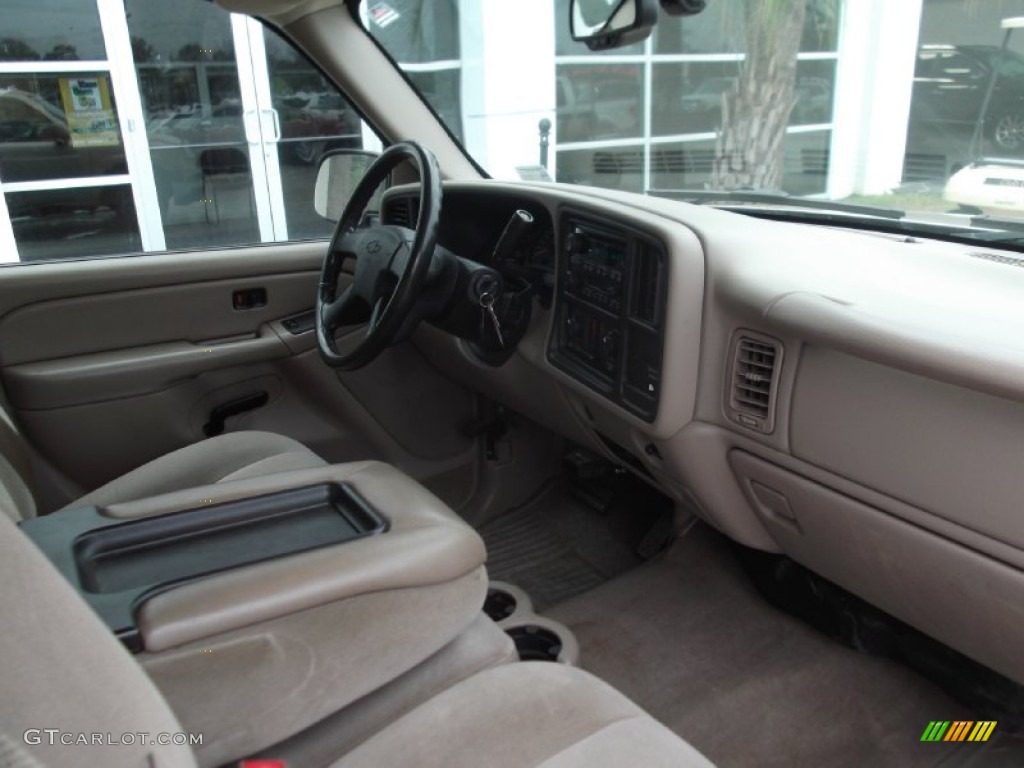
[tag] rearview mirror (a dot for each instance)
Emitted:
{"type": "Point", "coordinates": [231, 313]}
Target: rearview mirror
{"type": "Point", "coordinates": [603, 24]}
{"type": "Point", "coordinates": [340, 172]}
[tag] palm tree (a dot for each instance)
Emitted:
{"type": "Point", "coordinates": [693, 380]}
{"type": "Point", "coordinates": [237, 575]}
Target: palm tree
{"type": "Point", "coordinates": [750, 148]}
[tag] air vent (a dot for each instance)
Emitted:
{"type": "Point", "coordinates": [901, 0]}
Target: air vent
{"type": "Point", "coordinates": [403, 212]}
{"type": "Point", "coordinates": [752, 386]}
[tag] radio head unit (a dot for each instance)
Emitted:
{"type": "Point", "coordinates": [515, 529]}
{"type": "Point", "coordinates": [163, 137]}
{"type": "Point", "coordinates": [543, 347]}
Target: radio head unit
{"type": "Point", "coordinates": [609, 310]}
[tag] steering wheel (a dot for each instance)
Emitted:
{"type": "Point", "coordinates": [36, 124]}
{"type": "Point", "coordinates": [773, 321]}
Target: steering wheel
{"type": "Point", "coordinates": [392, 264]}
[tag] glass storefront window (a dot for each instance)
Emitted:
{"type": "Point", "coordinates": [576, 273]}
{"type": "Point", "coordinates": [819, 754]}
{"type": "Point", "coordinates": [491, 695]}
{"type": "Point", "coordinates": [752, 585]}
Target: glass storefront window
{"type": "Point", "coordinates": [417, 32]}
{"type": "Point", "coordinates": [418, 35]}
{"type": "Point", "coordinates": [720, 28]}
{"type": "Point", "coordinates": [619, 168]}
{"type": "Point", "coordinates": [806, 162]}
{"type": "Point", "coordinates": [314, 118]}
{"type": "Point", "coordinates": [235, 122]}
{"type": "Point", "coordinates": [814, 89]}
{"type": "Point", "coordinates": [688, 165]}
{"type": "Point", "coordinates": [68, 223]}
{"type": "Point", "coordinates": [717, 29]}
{"type": "Point", "coordinates": [681, 165]}
{"type": "Point", "coordinates": [687, 97]}
{"type": "Point", "coordinates": [441, 90]}
{"type": "Point", "coordinates": [599, 101]}
{"type": "Point", "coordinates": [191, 95]}
{"type": "Point", "coordinates": [55, 30]}
{"type": "Point", "coordinates": [58, 126]}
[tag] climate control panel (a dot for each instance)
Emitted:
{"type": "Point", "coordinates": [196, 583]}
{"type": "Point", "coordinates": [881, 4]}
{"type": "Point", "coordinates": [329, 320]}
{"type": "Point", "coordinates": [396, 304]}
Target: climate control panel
{"type": "Point", "coordinates": [593, 338]}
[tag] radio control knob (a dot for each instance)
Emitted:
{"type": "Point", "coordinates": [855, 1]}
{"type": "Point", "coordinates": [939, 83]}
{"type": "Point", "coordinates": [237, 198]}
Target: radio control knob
{"type": "Point", "coordinates": [576, 242]}
{"type": "Point", "coordinates": [572, 326]}
{"type": "Point", "coordinates": [609, 345]}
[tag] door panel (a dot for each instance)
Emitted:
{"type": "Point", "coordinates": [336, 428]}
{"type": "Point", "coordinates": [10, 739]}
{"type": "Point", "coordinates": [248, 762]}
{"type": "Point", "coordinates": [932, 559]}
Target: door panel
{"type": "Point", "coordinates": [110, 363]}
{"type": "Point", "coordinates": [99, 377]}
{"type": "Point", "coordinates": [198, 314]}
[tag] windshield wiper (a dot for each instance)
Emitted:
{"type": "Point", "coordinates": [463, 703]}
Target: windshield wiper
{"type": "Point", "coordinates": [705, 196]}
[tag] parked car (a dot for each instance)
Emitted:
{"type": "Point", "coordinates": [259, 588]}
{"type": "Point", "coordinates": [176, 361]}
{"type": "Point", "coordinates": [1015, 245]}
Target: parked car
{"type": "Point", "coordinates": [950, 82]}
{"type": "Point", "coordinates": [311, 123]}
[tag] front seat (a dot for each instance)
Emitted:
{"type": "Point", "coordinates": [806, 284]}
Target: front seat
{"type": "Point", "coordinates": [73, 696]}
{"type": "Point", "coordinates": [234, 456]}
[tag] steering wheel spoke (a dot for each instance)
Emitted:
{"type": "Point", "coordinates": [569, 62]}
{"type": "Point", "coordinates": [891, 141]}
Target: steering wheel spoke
{"type": "Point", "coordinates": [347, 309]}
{"type": "Point", "coordinates": [378, 309]}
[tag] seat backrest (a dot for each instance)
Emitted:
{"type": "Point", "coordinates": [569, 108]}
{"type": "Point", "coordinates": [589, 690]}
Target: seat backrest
{"type": "Point", "coordinates": [64, 677]}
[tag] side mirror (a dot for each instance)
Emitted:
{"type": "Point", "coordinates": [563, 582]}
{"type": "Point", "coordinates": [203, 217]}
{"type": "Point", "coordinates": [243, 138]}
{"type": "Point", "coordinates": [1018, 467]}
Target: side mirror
{"type": "Point", "coordinates": [603, 24]}
{"type": "Point", "coordinates": [339, 174]}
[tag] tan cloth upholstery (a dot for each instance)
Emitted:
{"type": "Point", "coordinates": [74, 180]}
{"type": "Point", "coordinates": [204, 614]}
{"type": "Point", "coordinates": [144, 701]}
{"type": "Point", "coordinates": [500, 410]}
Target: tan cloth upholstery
{"type": "Point", "coordinates": [480, 646]}
{"type": "Point", "coordinates": [61, 668]}
{"type": "Point", "coordinates": [529, 714]}
{"type": "Point", "coordinates": [16, 500]}
{"type": "Point", "coordinates": [234, 456]}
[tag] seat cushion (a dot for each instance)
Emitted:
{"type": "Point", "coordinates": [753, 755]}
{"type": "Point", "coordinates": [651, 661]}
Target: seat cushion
{"type": "Point", "coordinates": [234, 456]}
{"type": "Point", "coordinates": [526, 714]}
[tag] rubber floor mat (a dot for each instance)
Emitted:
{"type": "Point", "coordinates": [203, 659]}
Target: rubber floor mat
{"type": "Point", "coordinates": [555, 547]}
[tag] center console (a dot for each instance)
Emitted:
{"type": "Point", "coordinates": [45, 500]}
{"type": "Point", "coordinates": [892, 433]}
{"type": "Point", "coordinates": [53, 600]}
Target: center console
{"type": "Point", "coordinates": [118, 566]}
{"type": "Point", "coordinates": [610, 310]}
{"type": "Point", "coordinates": [260, 606]}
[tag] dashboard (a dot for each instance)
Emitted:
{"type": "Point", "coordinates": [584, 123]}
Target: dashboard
{"type": "Point", "coordinates": [471, 226]}
{"type": "Point", "coordinates": [852, 399]}
{"type": "Point", "coordinates": [610, 298]}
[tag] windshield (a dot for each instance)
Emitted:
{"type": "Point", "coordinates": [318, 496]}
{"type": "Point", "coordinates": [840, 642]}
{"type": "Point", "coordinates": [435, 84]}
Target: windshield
{"type": "Point", "coordinates": [916, 106]}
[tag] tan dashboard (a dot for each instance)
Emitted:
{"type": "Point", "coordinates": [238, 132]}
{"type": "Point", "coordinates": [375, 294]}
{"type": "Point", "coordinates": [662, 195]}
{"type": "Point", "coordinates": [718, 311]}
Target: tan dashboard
{"type": "Point", "coordinates": [848, 398]}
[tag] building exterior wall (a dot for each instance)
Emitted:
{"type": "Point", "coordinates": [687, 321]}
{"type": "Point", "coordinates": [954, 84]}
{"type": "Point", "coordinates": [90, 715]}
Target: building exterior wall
{"type": "Point", "coordinates": [178, 125]}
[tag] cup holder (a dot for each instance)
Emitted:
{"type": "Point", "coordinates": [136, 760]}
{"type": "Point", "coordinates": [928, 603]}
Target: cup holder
{"type": "Point", "coordinates": [506, 602]}
{"type": "Point", "coordinates": [537, 638]}
{"type": "Point", "coordinates": [535, 643]}
{"type": "Point", "coordinates": [540, 639]}
{"type": "Point", "coordinates": [499, 605]}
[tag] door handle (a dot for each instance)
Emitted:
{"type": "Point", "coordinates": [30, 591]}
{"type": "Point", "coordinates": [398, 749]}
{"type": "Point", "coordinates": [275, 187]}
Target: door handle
{"type": "Point", "coordinates": [251, 124]}
{"type": "Point", "coordinates": [220, 414]}
{"type": "Point", "coordinates": [275, 123]}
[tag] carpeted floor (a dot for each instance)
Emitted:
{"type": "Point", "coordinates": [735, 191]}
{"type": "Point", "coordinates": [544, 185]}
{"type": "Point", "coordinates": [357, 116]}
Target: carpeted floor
{"type": "Point", "coordinates": [688, 638]}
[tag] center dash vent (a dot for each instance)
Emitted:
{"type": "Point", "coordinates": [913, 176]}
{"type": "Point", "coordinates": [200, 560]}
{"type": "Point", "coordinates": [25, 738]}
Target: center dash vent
{"type": "Point", "coordinates": [752, 384]}
{"type": "Point", "coordinates": [402, 211]}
